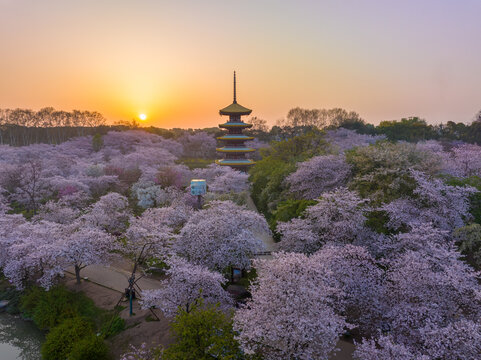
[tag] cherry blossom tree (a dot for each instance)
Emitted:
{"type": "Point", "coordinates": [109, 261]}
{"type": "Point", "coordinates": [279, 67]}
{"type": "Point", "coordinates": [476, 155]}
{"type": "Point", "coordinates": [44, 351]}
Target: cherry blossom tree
{"type": "Point", "coordinates": [141, 352]}
{"type": "Point", "coordinates": [418, 238]}
{"type": "Point", "coordinates": [210, 172]}
{"type": "Point", "coordinates": [148, 194]}
{"type": "Point", "coordinates": [57, 212]}
{"type": "Point", "coordinates": [29, 254]}
{"type": "Point", "coordinates": [83, 245]}
{"type": "Point", "coordinates": [343, 139]}
{"type": "Point", "coordinates": [319, 174]}
{"type": "Point", "coordinates": [460, 339]}
{"type": "Point", "coordinates": [4, 206]}
{"type": "Point", "coordinates": [8, 229]}
{"type": "Point", "coordinates": [384, 348]}
{"type": "Point", "coordinates": [359, 277]}
{"type": "Point", "coordinates": [231, 181]}
{"type": "Point", "coordinates": [151, 234]}
{"type": "Point", "coordinates": [463, 161]}
{"type": "Point", "coordinates": [224, 234]}
{"type": "Point", "coordinates": [177, 176]}
{"type": "Point", "coordinates": [290, 314]}
{"type": "Point", "coordinates": [199, 144]}
{"type": "Point", "coordinates": [29, 183]}
{"type": "Point", "coordinates": [338, 217]}
{"type": "Point", "coordinates": [429, 287]}
{"type": "Point", "coordinates": [256, 144]}
{"type": "Point", "coordinates": [185, 285]}
{"type": "Point", "coordinates": [445, 206]}
{"type": "Point", "coordinates": [110, 213]}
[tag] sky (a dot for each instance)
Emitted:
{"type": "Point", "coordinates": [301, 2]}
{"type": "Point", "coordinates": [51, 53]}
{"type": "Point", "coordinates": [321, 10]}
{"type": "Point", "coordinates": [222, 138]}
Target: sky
{"type": "Point", "coordinates": [173, 60]}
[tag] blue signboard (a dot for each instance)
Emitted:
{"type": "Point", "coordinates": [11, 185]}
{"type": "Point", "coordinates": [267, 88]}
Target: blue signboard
{"type": "Point", "coordinates": [198, 187]}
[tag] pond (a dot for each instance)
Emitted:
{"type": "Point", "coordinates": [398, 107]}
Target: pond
{"type": "Point", "coordinates": [19, 339]}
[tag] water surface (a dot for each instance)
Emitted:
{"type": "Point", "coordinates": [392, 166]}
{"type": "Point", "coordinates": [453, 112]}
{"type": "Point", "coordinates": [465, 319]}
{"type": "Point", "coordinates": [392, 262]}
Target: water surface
{"type": "Point", "coordinates": [19, 339]}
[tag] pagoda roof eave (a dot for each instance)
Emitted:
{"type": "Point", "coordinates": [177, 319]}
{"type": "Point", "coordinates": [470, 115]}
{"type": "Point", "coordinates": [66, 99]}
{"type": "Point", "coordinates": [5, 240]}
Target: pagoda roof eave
{"type": "Point", "coordinates": [235, 109]}
{"type": "Point", "coordinates": [235, 125]}
{"type": "Point", "coordinates": [235, 149]}
{"type": "Point", "coordinates": [228, 162]}
{"type": "Point", "coordinates": [235, 137]}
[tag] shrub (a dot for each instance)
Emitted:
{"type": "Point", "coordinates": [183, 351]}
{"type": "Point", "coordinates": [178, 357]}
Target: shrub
{"type": "Point", "coordinates": [113, 327]}
{"type": "Point", "coordinates": [50, 308]}
{"type": "Point", "coordinates": [13, 296]}
{"type": "Point", "coordinates": [203, 333]}
{"type": "Point", "coordinates": [60, 341]}
{"type": "Point", "coordinates": [91, 347]}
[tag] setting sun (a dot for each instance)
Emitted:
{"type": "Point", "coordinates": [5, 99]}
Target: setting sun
{"type": "Point", "coordinates": [143, 117]}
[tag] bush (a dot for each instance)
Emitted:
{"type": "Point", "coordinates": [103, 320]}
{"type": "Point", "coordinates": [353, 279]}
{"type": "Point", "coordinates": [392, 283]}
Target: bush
{"type": "Point", "coordinates": [91, 347]}
{"type": "Point", "coordinates": [287, 210]}
{"type": "Point", "coordinates": [61, 340]}
{"type": "Point", "coordinates": [13, 296]}
{"type": "Point", "coordinates": [203, 333]}
{"type": "Point", "coordinates": [50, 308]}
{"type": "Point", "coordinates": [113, 327]}
{"type": "Point", "coordinates": [278, 161]}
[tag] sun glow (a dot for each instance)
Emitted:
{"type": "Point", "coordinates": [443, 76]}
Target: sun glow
{"type": "Point", "coordinates": [142, 117]}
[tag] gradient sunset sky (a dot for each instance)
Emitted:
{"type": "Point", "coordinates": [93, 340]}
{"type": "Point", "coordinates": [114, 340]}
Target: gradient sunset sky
{"type": "Point", "coordinates": [173, 60]}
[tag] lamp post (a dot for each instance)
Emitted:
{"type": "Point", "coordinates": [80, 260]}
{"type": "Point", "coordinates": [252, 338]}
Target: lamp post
{"type": "Point", "coordinates": [198, 187]}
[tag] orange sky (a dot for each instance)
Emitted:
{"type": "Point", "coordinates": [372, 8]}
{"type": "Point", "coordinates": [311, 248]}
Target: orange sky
{"type": "Point", "coordinates": [173, 60]}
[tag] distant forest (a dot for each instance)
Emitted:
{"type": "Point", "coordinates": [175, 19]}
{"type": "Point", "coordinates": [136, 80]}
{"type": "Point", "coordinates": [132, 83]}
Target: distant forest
{"type": "Point", "coordinates": [20, 127]}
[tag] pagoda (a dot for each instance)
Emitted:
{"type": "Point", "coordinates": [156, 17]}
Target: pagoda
{"type": "Point", "coordinates": [234, 148]}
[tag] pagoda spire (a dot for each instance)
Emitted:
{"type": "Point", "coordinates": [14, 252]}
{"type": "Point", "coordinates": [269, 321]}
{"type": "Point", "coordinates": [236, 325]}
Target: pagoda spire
{"type": "Point", "coordinates": [235, 95]}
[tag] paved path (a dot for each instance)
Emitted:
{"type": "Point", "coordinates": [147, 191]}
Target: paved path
{"type": "Point", "coordinates": [115, 278]}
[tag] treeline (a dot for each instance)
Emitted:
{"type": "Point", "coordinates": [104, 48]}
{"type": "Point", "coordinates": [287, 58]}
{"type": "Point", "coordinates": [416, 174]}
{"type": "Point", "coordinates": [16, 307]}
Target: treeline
{"type": "Point", "coordinates": [412, 129]}
{"type": "Point", "coordinates": [24, 126]}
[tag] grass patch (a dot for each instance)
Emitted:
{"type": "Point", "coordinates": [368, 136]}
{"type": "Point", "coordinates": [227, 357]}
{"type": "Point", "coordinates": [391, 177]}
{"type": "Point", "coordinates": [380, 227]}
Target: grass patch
{"type": "Point", "coordinates": [193, 163]}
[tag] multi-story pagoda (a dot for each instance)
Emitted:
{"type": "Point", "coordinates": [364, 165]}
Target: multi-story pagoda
{"type": "Point", "coordinates": [234, 148]}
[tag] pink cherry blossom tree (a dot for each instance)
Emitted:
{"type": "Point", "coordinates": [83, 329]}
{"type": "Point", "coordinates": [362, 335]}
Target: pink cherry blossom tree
{"type": "Point", "coordinates": [463, 161]}
{"type": "Point", "coordinates": [83, 245]}
{"type": "Point", "coordinates": [290, 314]}
{"type": "Point", "coordinates": [432, 287]}
{"type": "Point", "coordinates": [317, 175]}
{"type": "Point", "coordinates": [185, 285]}
{"type": "Point", "coordinates": [57, 212]}
{"type": "Point", "coordinates": [30, 255]}
{"type": "Point", "coordinates": [110, 213]}
{"type": "Point", "coordinates": [384, 348]}
{"type": "Point", "coordinates": [231, 181]}
{"type": "Point", "coordinates": [342, 139]}
{"type": "Point", "coordinates": [141, 352]}
{"type": "Point", "coordinates": [446, 207]}
{"type": "Point", "coordinates": [4, 206]}
{"type": "Point", "coordinates": [224, 234]}
{"type": "Point", "coordinates": [338, 217]}
{"type": "Point", "coordinates": [359, 277]}
{"type": "Point", "coordinates": [199, 144]}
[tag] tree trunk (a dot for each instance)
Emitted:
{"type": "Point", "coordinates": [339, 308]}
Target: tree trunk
{"type": "Point", "coordinates": [77, 273]}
